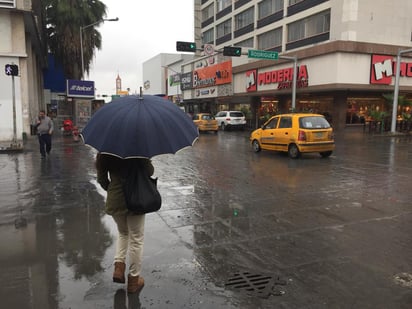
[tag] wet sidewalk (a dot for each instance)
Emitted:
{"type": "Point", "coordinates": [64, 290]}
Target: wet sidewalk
{"type": "Point", "coordinates": [306, 233]}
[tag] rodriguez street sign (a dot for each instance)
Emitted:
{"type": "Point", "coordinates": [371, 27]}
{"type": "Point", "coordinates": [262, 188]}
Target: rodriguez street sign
{"type": "Point", "coordinates": [263, 54]}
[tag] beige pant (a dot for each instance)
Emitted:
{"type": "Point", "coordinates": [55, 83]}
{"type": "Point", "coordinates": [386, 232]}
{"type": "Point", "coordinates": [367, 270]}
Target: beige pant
{"type": "Point", "coordinates": [130, 240]}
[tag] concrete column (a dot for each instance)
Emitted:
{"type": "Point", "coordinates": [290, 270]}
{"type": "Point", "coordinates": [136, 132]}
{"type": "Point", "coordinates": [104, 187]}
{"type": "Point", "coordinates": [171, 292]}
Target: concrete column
{"type": "Point", "coordinates": [340, 106]}
{"type": "Point", "coordinates": [255, 104]}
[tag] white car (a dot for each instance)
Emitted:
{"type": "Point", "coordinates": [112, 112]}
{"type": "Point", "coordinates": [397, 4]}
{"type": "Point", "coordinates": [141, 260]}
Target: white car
{"type": "Point", "coordinates": [230, 119]}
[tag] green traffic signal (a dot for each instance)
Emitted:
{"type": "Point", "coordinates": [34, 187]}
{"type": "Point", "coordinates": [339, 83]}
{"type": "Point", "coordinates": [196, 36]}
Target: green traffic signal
{"type": "Point", "coordinates": [186, 46]}
{"type": "Point", "coordinates": [232, 51]}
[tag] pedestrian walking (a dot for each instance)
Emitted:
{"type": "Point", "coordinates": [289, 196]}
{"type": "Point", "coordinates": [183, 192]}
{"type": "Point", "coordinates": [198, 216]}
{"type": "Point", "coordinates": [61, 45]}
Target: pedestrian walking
{"type": "Point", "coordinates": [44, 131]}
{"type": "Point", "coordinates": [130, 240]}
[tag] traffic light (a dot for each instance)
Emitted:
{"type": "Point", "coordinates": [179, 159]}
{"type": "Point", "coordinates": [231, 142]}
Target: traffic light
{"type": "Point", "coordinates": [232, 51]}
{"type": "Point", "coordinates": [186, 46]}
{"type": "Point", "coordinates": [11, 69]}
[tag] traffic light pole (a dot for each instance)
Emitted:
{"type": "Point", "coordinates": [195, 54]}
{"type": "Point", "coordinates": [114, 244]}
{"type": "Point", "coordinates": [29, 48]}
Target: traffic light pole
{"type": "Point", "coordinates": [14, 143]}
{"type": "Point", "coordinates": [396, 91]}
{"type": "Point", "coordinates": [295, 76]}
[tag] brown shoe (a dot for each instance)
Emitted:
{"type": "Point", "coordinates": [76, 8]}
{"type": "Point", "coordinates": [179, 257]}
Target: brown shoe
{"type": "Point", "coordinates": [134, 284]}
{"type": "Point", "coordinates": [118, 274]}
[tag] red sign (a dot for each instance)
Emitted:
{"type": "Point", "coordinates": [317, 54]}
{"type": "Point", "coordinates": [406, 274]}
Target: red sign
{"type": "Point", "coordinates": [383, 68]}
{"type": "Point", "coordinates": [218, 74]}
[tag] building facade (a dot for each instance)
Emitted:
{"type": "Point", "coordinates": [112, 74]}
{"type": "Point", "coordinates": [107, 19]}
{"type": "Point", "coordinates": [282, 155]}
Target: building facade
{"type": "Point", "coordinates": [21, 45]}
{"type": "Point", "coordinates": [161, 75]}
{"type": "Point", "coordinates": [346, 57]}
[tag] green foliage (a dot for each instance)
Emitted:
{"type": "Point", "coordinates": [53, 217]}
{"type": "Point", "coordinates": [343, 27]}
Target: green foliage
{"type": "Point", "coordinates": [63, 20]}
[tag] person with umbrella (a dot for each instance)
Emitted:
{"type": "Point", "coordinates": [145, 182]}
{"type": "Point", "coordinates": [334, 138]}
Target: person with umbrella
{"type": "Point", "coordinates": [128, 132]}
{"type": "Point", "coordinates": [110, 170]}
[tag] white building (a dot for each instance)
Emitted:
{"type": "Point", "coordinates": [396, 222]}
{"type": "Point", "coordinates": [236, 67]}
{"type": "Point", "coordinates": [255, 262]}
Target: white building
{"type": "Point", "coordinates": [161, 75]}
{"type": "Point", "coordinates": [345, 49]}
{"type": "Point", "coordinates": [22, 45]}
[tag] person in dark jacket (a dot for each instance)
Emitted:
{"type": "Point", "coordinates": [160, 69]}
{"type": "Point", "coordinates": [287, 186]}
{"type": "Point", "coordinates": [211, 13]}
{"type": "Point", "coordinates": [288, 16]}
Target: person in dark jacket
{"type": "Point", "coordinates": [44, 131]}
{"type": "Point", "coordinates": [110, 170]}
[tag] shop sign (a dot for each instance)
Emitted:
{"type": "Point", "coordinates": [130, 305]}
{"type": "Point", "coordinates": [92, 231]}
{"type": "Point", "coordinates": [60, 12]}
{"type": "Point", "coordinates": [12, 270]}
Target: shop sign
{"type": "Point", "coordinates": [383, 69]}
{"type": "Point", "coordinates": [186, 81]}
{"type": "Point", "coordinates": [80, 88]}
{"type": "Point", "coordinates": [174, 80]}
{"type": "Point", "coordinates": [251, 80]}
{"type": "Point", "coordinates": [282, 77]}
{"type": "Point", "coordinates": [218, 74]}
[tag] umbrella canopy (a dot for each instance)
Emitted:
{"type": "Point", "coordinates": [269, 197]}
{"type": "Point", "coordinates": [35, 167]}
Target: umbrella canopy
{"type": "Point", "coordinates": [139, 126]}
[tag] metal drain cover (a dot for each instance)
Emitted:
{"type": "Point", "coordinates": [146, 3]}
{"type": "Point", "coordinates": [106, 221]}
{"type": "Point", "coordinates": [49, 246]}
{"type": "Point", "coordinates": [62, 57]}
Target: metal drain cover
{"type": "Point", "coordinates": [256, 284]}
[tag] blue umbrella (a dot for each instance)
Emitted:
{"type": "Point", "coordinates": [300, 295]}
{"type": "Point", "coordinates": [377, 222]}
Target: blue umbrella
{"type": "Point", "coordinates": [139, 126]}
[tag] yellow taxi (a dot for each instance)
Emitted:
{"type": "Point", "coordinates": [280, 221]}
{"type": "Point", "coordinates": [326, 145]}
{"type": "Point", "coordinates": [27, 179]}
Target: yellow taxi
{"type": "Point", "coordinates": [205, 122]}
{"type": "Point", "coordinates": [295, 134]}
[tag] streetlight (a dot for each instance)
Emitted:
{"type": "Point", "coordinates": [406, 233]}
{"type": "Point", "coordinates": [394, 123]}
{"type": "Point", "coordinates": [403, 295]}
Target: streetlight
{"type": "Point", "coordinates": [81, 36]}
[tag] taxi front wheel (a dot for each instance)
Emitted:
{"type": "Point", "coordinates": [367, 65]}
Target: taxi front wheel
{"type": "Point", "coordinates": [256, 146]}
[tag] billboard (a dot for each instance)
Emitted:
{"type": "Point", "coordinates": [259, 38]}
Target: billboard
{"type": "Point", "coordinates": [80, 88]}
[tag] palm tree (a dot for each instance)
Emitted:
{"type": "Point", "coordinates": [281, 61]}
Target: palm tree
{"type": "Point", "coordinates": [64, 19]}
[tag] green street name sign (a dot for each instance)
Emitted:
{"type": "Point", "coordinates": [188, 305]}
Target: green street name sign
{"type": "Point", "coordinates": [263, 54]}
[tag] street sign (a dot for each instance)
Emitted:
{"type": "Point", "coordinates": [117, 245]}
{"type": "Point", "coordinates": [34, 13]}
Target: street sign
{"type": "Point", "coordinates": [263, 54]}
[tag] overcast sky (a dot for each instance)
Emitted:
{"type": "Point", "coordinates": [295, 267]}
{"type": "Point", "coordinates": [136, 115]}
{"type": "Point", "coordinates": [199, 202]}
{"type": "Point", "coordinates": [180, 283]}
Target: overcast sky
{"type": "Point", "coordinates": [145, 29]}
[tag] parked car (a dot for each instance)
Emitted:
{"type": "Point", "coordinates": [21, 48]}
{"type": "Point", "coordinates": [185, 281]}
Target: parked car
{"type": "Point", "coordinates": [205, 122]}
{"type": "Point", "coordinates": [231, 119]}
{"type": "Point", "coordinates": [295, 134]}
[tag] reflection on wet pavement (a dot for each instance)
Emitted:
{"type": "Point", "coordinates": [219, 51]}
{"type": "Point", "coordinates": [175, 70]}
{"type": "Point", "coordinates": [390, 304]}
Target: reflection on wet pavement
{"type": "Point", "coordinates": [330, 228]}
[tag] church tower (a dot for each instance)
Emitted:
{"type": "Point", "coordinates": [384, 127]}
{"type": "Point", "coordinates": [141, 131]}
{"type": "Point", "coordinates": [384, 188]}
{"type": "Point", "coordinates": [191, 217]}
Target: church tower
{"type": "Point", "coordinates": [118, 84]}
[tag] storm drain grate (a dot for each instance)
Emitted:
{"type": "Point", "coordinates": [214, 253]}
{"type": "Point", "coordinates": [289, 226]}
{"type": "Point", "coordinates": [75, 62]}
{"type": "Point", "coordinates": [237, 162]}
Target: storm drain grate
{"type": "Point", "coordinates": [256, 284]}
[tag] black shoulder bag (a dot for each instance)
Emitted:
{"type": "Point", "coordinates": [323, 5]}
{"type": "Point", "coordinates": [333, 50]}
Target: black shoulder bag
{"type": "Point", "coordinates": [140, 191]}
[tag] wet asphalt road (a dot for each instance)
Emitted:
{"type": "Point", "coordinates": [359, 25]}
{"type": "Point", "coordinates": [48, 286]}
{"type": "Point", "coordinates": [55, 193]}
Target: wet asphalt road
{"type": "Point", "coordinates": [307, 233]}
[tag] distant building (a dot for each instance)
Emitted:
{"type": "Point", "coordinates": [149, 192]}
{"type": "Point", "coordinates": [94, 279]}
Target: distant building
{"type": "Point", "coordinates": [162, 73]}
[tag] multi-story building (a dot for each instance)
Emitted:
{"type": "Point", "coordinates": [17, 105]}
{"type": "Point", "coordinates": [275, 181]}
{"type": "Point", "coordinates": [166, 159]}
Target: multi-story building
{"type": "Point", "coordinates": [345, 49]}
{"type": "Point", "coordinates": [22, 44]}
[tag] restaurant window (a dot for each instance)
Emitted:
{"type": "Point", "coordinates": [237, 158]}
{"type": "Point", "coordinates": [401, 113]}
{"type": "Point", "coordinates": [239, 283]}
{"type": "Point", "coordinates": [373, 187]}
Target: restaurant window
{"type": "Point", "coordinates": [309, 27]}
{"type": "Point", "coordinates": [269, 7]}
{"type": "Point", "coordinates": [270, 39]}
{"type": "Point", "coordinates": [245, 18]}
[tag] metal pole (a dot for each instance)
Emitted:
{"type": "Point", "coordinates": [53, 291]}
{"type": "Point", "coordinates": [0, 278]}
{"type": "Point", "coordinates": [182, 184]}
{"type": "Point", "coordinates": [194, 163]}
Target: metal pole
{"type": "Point", "coordinates": [81, 37]}
{"type": "Point", "coordinates": [81, 50]}
{"type": "Point", "coordinates": [295, 76]}
{"type": "Point", "coordinates": [396, 90]}
{"type": "Point", "coordinates": [396, 93]}
{"type": "Point", "coordinates": [14, 112]}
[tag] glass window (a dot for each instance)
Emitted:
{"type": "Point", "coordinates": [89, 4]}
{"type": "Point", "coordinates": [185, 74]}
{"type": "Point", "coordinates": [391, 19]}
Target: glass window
{"type": "Point", "coordinates": [313, 123]}
{"type": "Point", "coordinates": [224, 28]}
{"type": "Point", "coordinates": [310, 26]}
{"type": "Point", "coordinates": [222, 4]}
{"type": "Point", "coordinates": [285, 122]}
{"type": "Point", "coordinates": [207, 12]}
{"type": "Point", "coordinates": [292, 2]}
{"type": "Point", "coordinates": [245, 18]}
{"type": "Point", "coordinates": [245, 43]}
{"type": "Point", "coordinates": [269, 7]}
{"type": "Point", "coordinates": [270, 39]}
{"type": "Point", "coordinates": [208, 36]}
{"type": "Point", "coordinates": [272, 124]}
